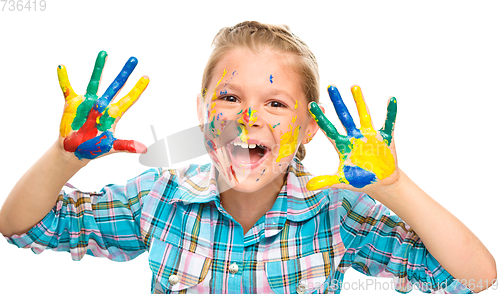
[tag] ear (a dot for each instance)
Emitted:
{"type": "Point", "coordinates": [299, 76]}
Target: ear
{"type": "Point", "coordinates": [199, 107]}
{"type": "Point", "coordinates": [312, 129]}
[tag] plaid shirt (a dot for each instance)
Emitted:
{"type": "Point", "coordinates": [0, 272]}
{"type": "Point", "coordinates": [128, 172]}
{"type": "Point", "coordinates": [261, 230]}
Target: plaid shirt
{"type": "Point", "coordinates": [304, 244]}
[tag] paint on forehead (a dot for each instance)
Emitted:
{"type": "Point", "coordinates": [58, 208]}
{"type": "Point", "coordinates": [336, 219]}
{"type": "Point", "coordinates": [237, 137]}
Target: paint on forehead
{"type": "Point", "coordinates": [288, 143]}
{"type": "Point", "coordinates": [232, 76]}
{"type": "Point", "coordinates": [271, 78]}
{"type": "Point", "coordinates": [214, 96]}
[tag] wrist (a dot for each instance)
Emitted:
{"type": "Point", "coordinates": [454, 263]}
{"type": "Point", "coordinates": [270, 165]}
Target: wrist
{"type": "Point", "coordinates": [388, 194]}
{"type": "Point", "coordinates": [66, 159]}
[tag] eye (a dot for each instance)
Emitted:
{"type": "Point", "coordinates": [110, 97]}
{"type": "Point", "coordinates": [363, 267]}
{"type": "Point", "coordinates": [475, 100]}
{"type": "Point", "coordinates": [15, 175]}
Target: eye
{"type": "Point", "coordinates": [231, 99]}
{"type": "Point", "coordinates": [276, 104]}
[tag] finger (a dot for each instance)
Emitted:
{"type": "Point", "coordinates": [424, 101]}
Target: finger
{"type": "Point", "coordinates": [129, 146]}
{"type": "Point", "coordinates": [364, 115]}
{"type": "Point", "coordinates": [95, 79]}
{"type": "Point", "coordinates": [342, 142]}
{"type": "Point", "coordinates": [117, 109]}
{"type": "Point", "coordinates": [390, 121]}
{"type": "Point", "coordinates": [343, 113]}
{"type": "Point", "coordinates": [117, 84]}
{"type": "Point", "coordinates": [66, 88]}
{"type": "Point", "coordinates": [120, 107]}
{"type": "Point", "coordinates": [321, 182]}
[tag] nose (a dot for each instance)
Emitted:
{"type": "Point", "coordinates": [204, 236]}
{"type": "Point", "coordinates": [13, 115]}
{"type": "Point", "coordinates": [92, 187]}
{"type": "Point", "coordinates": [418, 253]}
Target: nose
{"type": "Point", "coordinates": [249, 118]}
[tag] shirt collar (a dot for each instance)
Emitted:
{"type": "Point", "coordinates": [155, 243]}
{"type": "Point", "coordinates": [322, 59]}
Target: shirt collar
{"type": "Point", "coordinates": [197, 184]}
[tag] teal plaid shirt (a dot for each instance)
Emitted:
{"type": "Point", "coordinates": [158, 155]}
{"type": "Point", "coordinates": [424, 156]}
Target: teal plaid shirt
{"type": "Point", "coordinates": [304, 244]}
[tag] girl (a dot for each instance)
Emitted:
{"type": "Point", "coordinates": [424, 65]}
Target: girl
{"type": "Point", "coordinates": [253, 221]}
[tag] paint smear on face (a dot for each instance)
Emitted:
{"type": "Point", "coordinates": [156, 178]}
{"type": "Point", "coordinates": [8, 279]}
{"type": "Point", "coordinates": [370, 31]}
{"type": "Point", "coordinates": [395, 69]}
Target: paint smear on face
{"type": "Point", "coordinates": [271, 78]}
{"type": "Point", "coordinates": [294, 119]}
{"type": "Point", "coordinates": [288, 143]}
{"type": "Point", "coordinates": [296, 105]}
{"type": "Point", "coordinates": [249, 116]}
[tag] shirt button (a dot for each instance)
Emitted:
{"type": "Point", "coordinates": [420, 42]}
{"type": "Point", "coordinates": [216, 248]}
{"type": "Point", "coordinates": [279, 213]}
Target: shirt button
{"type": "Point", "coordinates": [173, 279]}
{"type": "Point", "coordinates": [233, 268]}
{"type": "Point", "coordinates": [301, 289]}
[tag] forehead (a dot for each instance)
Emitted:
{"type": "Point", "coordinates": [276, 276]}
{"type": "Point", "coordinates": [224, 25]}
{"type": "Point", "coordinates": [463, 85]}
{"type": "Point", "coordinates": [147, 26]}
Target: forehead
{"type": "Point", "coordinates": [246, 67]}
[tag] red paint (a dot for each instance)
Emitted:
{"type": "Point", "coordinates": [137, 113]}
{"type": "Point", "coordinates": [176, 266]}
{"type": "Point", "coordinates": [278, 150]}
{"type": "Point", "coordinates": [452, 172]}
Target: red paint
{"type": "Point", "coordinates": [246, 117]}
{"type": "Point", "coordinates": [126, 145]}
{"type": "Point", "coordinates": [85, 133]}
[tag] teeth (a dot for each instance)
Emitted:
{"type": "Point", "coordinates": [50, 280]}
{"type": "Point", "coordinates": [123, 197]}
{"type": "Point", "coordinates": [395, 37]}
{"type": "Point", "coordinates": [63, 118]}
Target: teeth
{"type": "Point", "coordinates": [245, 145]}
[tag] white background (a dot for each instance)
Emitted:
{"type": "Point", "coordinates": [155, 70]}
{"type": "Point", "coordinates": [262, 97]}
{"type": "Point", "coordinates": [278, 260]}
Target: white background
{"type": "Point", "coordinates": [441, 60]}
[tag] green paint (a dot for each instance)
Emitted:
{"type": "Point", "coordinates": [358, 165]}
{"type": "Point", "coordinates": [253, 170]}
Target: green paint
{"type": "Point", "coordinates": [390, 120]}
{"type": "Point", "coordinates": [96, 74]}
{"type": "Point", "coordinates": [105, 121]}
{"type": "Point", "coordinates": [240, 111]}
{"type": "Point", "coordinates": [82, 112]}
{"type": "Point", "coordinates": [342, 142]}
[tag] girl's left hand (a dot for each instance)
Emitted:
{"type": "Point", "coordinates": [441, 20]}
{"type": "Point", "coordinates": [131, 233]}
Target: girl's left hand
{"type": "Point", "coordinates": [367, 157]}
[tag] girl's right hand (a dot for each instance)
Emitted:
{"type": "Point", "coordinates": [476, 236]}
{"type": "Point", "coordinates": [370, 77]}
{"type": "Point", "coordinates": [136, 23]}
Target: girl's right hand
{"type": "Point", "coordinates": [88, 122]}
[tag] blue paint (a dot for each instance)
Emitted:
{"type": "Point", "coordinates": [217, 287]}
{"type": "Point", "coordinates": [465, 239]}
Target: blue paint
{"type": "Point", "coordinates": [263, 172]}
{"type": "Point", "coordinates": [97, 146]}
{"type": "Point", "coordinates": [116, 85]}
{"type": "Point", "coordinates": [223, 92]}
{"type": "Point", "coordinates": [358, 177]}
{"type": "Point", "coordinates": [257, 180]}
{"type": "Point", "coordinates": [343, 113]}
{"type": "Point", "coordinates": [271, 79]}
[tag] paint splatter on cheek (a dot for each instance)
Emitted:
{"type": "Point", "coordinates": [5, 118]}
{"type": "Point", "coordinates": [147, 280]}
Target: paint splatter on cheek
{"type": "Point", "coordinates": [288, 143]}
{"type": "Point", "coordinates": [271, 78]}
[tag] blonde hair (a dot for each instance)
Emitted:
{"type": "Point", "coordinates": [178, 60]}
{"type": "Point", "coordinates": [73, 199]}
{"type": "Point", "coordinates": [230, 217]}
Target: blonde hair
{"type": "Point", "coordinates": [254, 36]}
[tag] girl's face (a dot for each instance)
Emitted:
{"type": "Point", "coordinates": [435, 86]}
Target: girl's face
{"type": "Point", "coordinates": [254, 114]}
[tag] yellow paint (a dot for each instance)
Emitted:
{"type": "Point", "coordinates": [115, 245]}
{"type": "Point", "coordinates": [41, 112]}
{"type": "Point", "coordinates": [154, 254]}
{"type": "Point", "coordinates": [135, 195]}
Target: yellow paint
{"type": "Point", "coordinates": [243, 132]}
{"type": "Point", "coordinates": [117, 109]}
{"type": "Point", "coordinates": [69, 115]}
{"type": "Point", "coordinates": [321, 182]}
{"type": "Point", "coordinates": [294, 119]}
{"type": "Point", "coordinates": [66, 88]}
{"type": "Point", "coordinates": [252, 118]}
{"type": "Point", "coordinates": [214, 96]}
{"type": "Point", "coordinates": [364, 116]}
{"type": "Point", "coordinates": [288, 143]}
{"type": "Point", "coordinates": [296, 105]}
{"type": "Point", "coordinates": [373, 155]}
{"type": "Point", "coordinates": [271, 127]}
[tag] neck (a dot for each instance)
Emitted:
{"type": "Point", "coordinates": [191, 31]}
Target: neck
{"type": "Point", "coordinates": [248, 207]}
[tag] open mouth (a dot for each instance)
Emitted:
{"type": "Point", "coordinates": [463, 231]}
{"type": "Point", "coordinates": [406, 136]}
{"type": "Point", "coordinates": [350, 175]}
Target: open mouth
{"type": "Point", "coordinates": [250, 155]}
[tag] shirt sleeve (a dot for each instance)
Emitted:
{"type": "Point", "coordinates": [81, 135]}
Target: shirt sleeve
{"type": "Point", "coordinates": [104, 224]}
{"type": "Point", "coordinates": [378, 243]}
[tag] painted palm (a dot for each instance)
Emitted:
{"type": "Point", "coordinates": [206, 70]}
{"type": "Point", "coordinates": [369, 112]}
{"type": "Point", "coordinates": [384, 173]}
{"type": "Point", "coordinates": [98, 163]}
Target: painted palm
{"type": "Point", "coordinates": [88, 122]}
{"type": "Point", "coordinates": [366, 155]}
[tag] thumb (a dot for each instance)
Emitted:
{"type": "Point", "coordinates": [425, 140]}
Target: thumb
{"type": "Point", "coordinates": [131, 146]}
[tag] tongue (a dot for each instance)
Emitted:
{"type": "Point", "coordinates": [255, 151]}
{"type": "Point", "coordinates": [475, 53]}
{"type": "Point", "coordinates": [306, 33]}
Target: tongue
{"type": "Point", "coordinates": [247, 155]}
